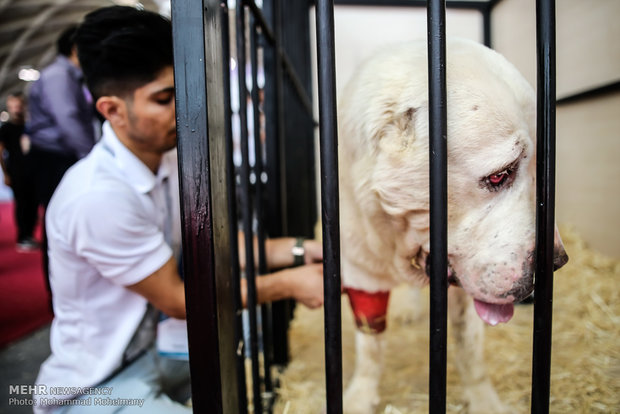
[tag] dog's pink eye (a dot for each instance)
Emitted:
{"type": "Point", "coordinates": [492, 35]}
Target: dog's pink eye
{"type": "Point", "coordinates": [500, 180]}
{"type": "Point", "coordinates": [497, 179]}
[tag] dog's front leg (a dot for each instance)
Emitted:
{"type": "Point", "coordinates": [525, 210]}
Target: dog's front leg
{"type": "Point", "coordinates": [370, 312]}
{"type": "Point", "coordinates": [362, 394]}
{"type": "Point", "coordinates": [468, 332]}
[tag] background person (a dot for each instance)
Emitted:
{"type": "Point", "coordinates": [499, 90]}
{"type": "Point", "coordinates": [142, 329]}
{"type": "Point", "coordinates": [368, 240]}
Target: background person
{"type": "Point", "coordinates": [18, 171]}
{"type": "Point", "coordinates": [60, 123]}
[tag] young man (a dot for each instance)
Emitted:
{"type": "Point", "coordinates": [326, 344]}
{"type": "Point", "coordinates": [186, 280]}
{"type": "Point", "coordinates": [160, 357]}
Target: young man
{"type": "Point", "coordinates": [60, 124]}
{"type": "Point", "coordinates": [114, 230]}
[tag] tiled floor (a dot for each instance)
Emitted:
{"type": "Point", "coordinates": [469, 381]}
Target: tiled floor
{"type": "Point", "coordinates": [19, 365]}
{"type": "Point", "coordinates": [20, 361]}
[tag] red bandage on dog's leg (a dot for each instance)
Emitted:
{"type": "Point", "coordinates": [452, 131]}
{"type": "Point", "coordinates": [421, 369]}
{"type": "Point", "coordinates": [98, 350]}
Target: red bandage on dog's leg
{"type": "Point", "coordinates": [369, 309]}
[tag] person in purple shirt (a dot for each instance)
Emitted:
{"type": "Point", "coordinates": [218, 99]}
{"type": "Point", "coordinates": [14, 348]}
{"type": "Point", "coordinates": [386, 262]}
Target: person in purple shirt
{"type": "Point", "coordinates": [61, 122]}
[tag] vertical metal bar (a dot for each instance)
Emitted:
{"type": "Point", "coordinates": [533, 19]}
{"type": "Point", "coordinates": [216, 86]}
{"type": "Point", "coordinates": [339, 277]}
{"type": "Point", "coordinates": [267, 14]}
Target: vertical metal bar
{"type": "Point", "coordinates": [486, 25]}
{"type": "Point", "coordinates": [487, 21]}
{"type": "Point", "coordinates": [232, 222]}
{"type": "Point", "coordinates": [436, 15]}
{"type": "Point", "coordinates": [272, 125]}
{"type": "Point", "coordinates": [258, 148]}
{"type": "Point", "coordinates": [281, 310]}
{"type": "Point", "coordinates": [246, 209]}
{"type": "Point", "coordinates": [277, 28]}
{"type": "Point", "coordinates": [545, 204]}
{"type": "Point", "coordinates": [329, 202]}
{"type": "Point", "coordinates": [267, 342]}
{"type": "Point", "coordinates": [201, 128]}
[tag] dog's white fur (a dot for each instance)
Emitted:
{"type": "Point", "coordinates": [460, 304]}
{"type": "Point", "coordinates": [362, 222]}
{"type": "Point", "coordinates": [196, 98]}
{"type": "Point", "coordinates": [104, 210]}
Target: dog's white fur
{"type": "Point", "coordinates": [383, 136]}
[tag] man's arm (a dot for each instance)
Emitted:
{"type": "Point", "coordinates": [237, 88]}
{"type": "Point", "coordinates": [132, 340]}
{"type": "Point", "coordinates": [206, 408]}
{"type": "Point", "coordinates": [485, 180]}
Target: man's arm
{"type": "Point", "coordinates": [164, 289]}
{"type": "Point", "coordinates": [279, 251]}
{"type": "Point", "coordinates": [304, 284]}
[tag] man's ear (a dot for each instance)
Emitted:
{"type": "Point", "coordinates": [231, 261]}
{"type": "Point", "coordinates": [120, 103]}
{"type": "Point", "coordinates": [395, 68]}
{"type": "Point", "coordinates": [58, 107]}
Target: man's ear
{"type": "Point", "coordinates": [73, 57]}
{"type": "Point", "coordinates": [114, 109]}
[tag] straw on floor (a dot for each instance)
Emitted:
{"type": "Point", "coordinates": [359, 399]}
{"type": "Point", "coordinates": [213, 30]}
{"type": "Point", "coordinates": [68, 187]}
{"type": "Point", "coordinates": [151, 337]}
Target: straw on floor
{"type": "Point", "coordinates": [585, 373]}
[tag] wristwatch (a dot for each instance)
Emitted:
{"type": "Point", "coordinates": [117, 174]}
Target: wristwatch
{"type": "Point", "coordinates": [298, 251]}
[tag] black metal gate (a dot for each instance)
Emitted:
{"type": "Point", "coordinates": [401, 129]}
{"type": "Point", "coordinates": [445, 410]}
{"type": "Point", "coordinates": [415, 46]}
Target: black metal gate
{"type": "Point", "coordinates": [209, 190]}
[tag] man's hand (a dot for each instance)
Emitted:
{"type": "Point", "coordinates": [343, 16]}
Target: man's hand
{"type": "Point", "coordinates": [303, 283]}
{"type": "Point", "coordinates": [306, 284]}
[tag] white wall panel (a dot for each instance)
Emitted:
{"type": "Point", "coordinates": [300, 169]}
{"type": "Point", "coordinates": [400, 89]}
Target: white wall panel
{"type": "Point", "coordinates": [362, 30]}
{"type": "Point", "coordinates": [588, 170]}
{"type": "Point", "coordinates": [587, 36]}
{"type": "Point", "coordinates": [588, 137]}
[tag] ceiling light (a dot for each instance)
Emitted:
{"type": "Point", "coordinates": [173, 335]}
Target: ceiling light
{"type": "Point", "coordinates": [28, 74]}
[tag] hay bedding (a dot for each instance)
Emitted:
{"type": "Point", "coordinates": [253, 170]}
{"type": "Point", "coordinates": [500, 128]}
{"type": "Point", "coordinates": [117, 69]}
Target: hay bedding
{"type": "Point", "coordinates": [585, 373]}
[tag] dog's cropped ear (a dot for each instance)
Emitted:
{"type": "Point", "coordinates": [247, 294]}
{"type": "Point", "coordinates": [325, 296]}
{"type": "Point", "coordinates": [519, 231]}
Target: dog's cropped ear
{"type": "Point", "coordinates": [406, 120]}
{"type": "Point", "coordinates": [399, 132]}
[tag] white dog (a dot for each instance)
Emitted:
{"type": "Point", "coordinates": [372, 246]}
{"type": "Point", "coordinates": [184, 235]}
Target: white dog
{"type": "Point", "coordinates": [383, 133]}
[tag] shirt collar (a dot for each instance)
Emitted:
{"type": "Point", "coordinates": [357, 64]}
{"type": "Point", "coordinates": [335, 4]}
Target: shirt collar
{"type": "Point", "coordinates": [76, 72]}
{"type": "Point", "coordinates": [137, 174]}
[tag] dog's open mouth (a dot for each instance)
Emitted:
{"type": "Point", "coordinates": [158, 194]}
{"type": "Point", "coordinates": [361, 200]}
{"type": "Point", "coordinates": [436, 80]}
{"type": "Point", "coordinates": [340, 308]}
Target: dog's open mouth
{"type": "Point", "coordinates": [491, 313]}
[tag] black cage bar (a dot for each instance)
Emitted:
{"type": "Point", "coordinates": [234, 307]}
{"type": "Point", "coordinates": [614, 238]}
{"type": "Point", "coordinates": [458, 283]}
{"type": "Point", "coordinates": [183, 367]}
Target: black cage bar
{"type": "Point", "coordinates": [247, 208]}
{"type": "Point", "coordinates": [329, 201]}
{"type": "Point", "coordinates": [233, 227]}
{"type": "Point", "coordinates": [208, 191]}
{"type": "Point", "coordinates": [545, 204]}
{"type": "Point", "coordinates": [201, 124]}
{"type": "Point", "coordinates": [438, 150]}
{"type": "Point", "coordinates": [266, 314]}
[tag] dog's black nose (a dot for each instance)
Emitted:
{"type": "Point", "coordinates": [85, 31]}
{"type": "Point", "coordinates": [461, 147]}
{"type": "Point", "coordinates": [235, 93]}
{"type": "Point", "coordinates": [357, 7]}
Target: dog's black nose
{"type": "Point", "coordinates": [560, 258]}
{"type": "Point", "coordinates": [521, 290]}
{"type": "Point", "coordinates": [454, 281]}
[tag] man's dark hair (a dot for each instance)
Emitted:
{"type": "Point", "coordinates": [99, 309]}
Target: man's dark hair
{"type": "Point", "coordinates": [65, 41]}
{"type": "Point", "coordinates": [16, 94]}
{"type": "Point", "coordinates": [122, 48]}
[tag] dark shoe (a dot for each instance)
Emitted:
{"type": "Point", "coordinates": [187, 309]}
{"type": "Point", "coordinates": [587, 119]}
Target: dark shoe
{"type": "Point", "coordinates": [27, 245]}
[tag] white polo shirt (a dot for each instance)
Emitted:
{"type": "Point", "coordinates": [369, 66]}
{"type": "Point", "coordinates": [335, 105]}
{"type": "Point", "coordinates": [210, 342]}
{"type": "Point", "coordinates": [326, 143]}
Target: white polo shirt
{"type": "Point", "coordinates": [105, 226]}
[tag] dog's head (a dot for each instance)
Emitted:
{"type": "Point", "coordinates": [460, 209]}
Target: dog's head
{"type": "Point", "coordinates": [492, 185]}
{"type": "Point", "coordinates": [491, 170]}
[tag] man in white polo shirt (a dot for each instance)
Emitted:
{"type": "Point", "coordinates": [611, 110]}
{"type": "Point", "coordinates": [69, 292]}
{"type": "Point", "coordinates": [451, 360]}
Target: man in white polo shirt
{"type": "Point", "coordinates": [114, 233]}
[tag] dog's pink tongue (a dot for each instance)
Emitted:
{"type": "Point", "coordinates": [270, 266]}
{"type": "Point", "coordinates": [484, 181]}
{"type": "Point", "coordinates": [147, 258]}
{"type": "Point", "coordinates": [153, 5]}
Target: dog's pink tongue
{"type": "Point", "coordinates": [492, 313]}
